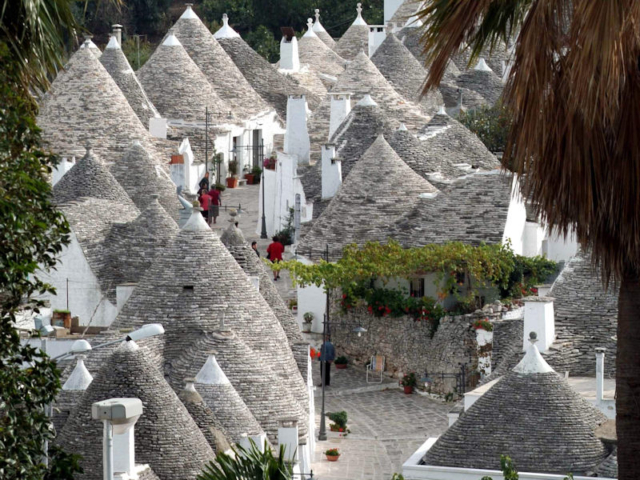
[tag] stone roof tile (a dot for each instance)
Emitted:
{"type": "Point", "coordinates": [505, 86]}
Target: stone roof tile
{"type": "Point", "coordinates": [225, 77]}
{"type": "Point", "coordinates": [355, 40]}
{"type": "Point", "coordinates": [555, 436]}
{"type": "Point", "coordinates": [403, 71]}
{"type": "Point", "coordinates": [483, 81]}
{"type": "Point", "coordinates": [472, 209]}
{"type": "Point", "coordinates": [379, 188]}
{"type": "Point", "coordinates": [271, 85]}
{"type": "Point", "coordinates": [115, 62]}
{"type": "Point", "coordinates": [176, 85]}
{"type": "Point", "coordinates": [360, 78]}
{"type": "Point", "coordinates": [320, 58]}
{"type": "Point", "coordinates": [166, 437]}
{"type": "Point", "coordinates": [322, 33]}
{"type": "Point", "coordinates": [84, 104]}
{"type": "Point", "coordinates": [142, 178]}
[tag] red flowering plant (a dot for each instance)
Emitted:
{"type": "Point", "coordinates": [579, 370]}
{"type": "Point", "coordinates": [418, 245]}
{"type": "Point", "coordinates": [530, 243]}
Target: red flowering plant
{"type": "Point", "coordinates": [339, 424]}
{"type": "Point", "coordinates": [483, 324]}
{"type": "Point", "coordinates": [270, 163]}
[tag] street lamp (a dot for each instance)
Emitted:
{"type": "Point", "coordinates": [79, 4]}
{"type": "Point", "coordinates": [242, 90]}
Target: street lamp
{"type": "Point", "coordinates": [263, 232]}
{"type": "Point", "coordinates": [359, 330]}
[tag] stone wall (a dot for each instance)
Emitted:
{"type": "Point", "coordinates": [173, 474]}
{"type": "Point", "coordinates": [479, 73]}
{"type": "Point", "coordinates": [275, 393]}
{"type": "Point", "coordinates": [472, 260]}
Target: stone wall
{"type": "Point", "coordinates": [407, 344]}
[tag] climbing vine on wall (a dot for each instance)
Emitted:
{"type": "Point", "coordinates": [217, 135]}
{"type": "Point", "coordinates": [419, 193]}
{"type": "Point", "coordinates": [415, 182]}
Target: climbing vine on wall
{"type": "Point", "coordinates": [479, 266]}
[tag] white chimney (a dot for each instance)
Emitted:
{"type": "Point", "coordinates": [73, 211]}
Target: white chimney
{"type": "Point", "coordinates": [289, 57]}
{"type": "Point", "coordinates": [123, 292]}
{"type": "Point", "coordinates": [258, 440]}
{"type": "Point", "coordinates": [377, 35]}
{"type": "Point", "coordinates": [539, 318]}
{"type": "Point", "coordinates": [600, 374]}
{"type": "Point", "coordinates": [158, 127]}
{"type": "Point", "coordinates": [296, 138]}
{"type": "Point", "coordinates": [331, 172]}
{"type": "Point", "coordinates": [117, 32]}
{"type": "Point", "coordinates": [340, 108]}
{"type": "Point", "coordinates": [288, 438]}
{"type": "Point", "coordinates": [119, 415]}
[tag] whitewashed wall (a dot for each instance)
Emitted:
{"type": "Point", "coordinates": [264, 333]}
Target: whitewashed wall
{"type": "Point", "coordinates": [84, 290]}
{"type": "Point", "coordinates": [311, 299]}
{"type": "Point", "coordinates": [514, 230]}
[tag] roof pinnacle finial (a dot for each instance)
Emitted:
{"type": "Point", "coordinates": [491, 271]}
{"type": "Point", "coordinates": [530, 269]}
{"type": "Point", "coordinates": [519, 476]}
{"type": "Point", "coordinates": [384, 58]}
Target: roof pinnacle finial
{"type": "Point", "coordinates": [533, 338]}
{"type": "Point", "coordinates": [309, 23]}
{"type": "Point", "coordinates": [225, 19]}
{"type": "Point", "coordinates": [359, 9]}
{"type": "Point", "coordinates": [317, 14]}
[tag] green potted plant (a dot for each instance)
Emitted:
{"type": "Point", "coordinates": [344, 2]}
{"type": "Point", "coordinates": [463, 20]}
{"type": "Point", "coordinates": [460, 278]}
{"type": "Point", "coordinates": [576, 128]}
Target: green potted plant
{"type": "Point", "coordinates": [341, 363]}
{"type": "Point", "coordinates": [409, 382]}
{"type": "Point", "coordinates": [339, 424]}
{"type": "Point", "coordinates": [293, 305]}
{"type": "Point", "coordinates": [257, 172]}
{"type": "Point", "coordinates": [221, 187]}
{"type": "Point", "coordinates": [333, 454]}
{"type": "Point", "coordinates": [308, 320]}
{"type": "Point", "coordinates": [61, 318]}
{"type": "Point", "coordinates": [232, 180]}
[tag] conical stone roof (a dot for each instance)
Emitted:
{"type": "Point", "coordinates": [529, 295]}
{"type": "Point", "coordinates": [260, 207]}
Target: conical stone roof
{"type": "Point", "coordinates": [191, 285]}
{"type": "Point", "coordinates": [320, 58]}
{"type": "Point", "coordinates": [225, 77]}
{"type": "Point", "coordinates": [71, 393]}
{"type": "Point", "coordinates": [483, 80]}
{"type": "Point", "coordinates": [536, 419]}
{"type": "Point", "coordinates": [379, 188]}
{"type": "Point", "coordinates": [92, 47]}
{"type": "Point", "coordinates": [224, 401]}
{"type": "Point", "coordinates": [233, 239]}
{"type": "Point", "coordinates": [355, 40]}
{"type": "Point", "coordinates": [472, 209]}
{"type": "Point", "coordinates": [166, 437]}
{"type": "Point", "coordinates": [360, 78]}
{"type": "Point", "coordinates": [271, 85]}
{"type": "Point", "coordinates": [405, 12]}
{"type": "Point", "coordinates": [583, 305]}
{"type": "Point", "coordinates": [141, 179]}
{"type": "Point", "coordinates": [177, 87]}
{"type": "Point", "coordinates": [322, 33]}
{"type": "Point", "coordinates": [116, 63]}
{"type": "Point", "coordinates": [414, 153]}
{"type": "Point", "coordinates": [411, 38]}
{"type": "Point", "coordinates": [207, 422]}
{"type": "Point", "coordinates": [89, 177]}
{"type": "Point", "coordinates": [451, 96]}
{"type": "Point", "coordinates": [401, 69]}
{"type": "Point", "coordinates": [447, 140]}
{"type": "Point", "coordinates": [497, 59]}
{"type": "Point", "coordinates": [355, 135]}
{"type": "Point", "coordinates": [135, 245]}
{"type": "Point", "coordinates": [84, 104]}
{"type": "Point", "coordinates": [265, 393]}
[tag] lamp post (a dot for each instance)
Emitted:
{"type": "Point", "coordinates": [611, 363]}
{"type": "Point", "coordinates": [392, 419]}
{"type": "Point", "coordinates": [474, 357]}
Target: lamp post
{"type": "Point", "coordinates": [263, 232]}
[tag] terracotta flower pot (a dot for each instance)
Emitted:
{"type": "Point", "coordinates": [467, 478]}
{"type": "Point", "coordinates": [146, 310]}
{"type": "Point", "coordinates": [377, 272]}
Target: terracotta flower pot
{"type": "Point", "coordinates": [341, 366]}
{"type": "Point", "coordinates": [249, 177]}
{"type": "Point", "coordinates": [408, 390]}
{"type": "Point", "coordinates": [232, 182]}
{"type": "Point", "coordinates": [333, 458]}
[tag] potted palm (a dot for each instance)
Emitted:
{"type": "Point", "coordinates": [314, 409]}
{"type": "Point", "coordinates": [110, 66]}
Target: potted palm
{"type": "Point", "coordinates": [333, 454]}
{"type": "Point", "coordinates": [341, 363]}
{"type": "Point", "coordinates": [409, 382]}
{"type": "Point", "coordinates": [232, 180]}
{"type": "Point", "coordinates": [308, 320]}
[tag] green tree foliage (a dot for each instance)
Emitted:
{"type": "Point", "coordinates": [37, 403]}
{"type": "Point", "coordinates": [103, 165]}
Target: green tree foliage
{"type": "Point", "coordinates": [490, 124]}
{"type": "Point", "coordinates": [33, 233]}
{"type": "Point", "coordinates": [143, 17]}
{"type": "Point", "coordinates": [251, 464]}
{"type": "Point", "coordinates": [262, 41]}
{"type": "Point", "coordinates": [137, 51]}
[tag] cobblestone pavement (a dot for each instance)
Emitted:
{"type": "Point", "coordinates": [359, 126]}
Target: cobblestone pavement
{"type": "Point", "coordinates": [387, 426]}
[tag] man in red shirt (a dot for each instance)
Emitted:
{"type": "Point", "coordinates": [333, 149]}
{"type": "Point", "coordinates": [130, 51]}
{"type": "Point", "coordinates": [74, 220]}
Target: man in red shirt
{"type": "Point", "coordinates": [205, 203]}
{"type": "Point", "coordinates": [274, 253]}
{"type": "Point", "coordinates": [216, 201]}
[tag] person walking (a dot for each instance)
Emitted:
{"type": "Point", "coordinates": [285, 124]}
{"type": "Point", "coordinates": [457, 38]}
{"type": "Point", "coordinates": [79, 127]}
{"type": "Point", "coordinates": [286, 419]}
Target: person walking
{"type": "Point", "coordinates": [204, 183]}
{"type": "Point", "coordinates": [327, 355]}
{"type": "Point", "coordinates": [205, 204]}
{"type": "Point", "coordinates": [274, 253]}
{"type": "Point", "coordinates": [254, 246]}
{"type": "Point", "coordinates": [216, 201]}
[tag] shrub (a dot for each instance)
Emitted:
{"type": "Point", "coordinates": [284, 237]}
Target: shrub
{"type": "Point", "coordinates": [483, 325]}
{"type": "Point", "coordinates": [308, 317]}
{"type": "Point", "coordinates": [332, 452]}
{"type": "Point", "coordinates": [409, 380]}
{"type": "Point", "coordinates": [342, 360]}
{"type": "Point", "coordinates": [490, 124]}
{"type": "Point", "coordinates": [339, 418]}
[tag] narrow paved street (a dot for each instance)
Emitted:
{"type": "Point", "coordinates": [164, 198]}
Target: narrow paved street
{"type": "Point", "coordinates": [386, 425]}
